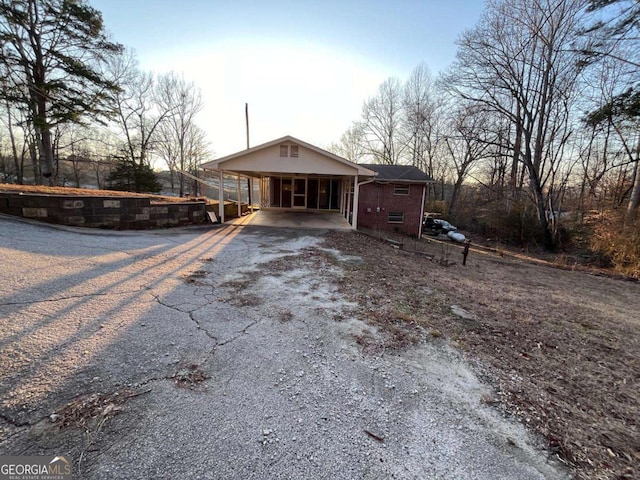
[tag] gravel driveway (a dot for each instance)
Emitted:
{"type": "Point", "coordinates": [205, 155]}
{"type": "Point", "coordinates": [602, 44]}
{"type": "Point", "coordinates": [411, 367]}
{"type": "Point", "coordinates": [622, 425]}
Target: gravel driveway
{"type": "Point", "coordinates": [186, 354]}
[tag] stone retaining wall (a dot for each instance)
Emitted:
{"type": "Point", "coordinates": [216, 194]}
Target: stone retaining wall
{"type": "Point", "coordinates": [102, 212]}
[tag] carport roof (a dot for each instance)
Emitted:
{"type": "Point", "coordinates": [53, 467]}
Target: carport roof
{"type": "Point", "coordinates": [219, 163]}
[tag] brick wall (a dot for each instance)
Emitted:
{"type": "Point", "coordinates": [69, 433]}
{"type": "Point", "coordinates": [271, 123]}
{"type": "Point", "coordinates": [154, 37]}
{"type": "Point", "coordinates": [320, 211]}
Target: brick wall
{"type": "Point", "coordinates": [377, 200]}
{"type": "Point", "coordinates": [102, 212]}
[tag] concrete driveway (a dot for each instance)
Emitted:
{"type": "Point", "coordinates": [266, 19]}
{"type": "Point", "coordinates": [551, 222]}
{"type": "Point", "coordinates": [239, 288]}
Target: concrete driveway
{"type": "Point", "coordinates": [294, 219]}
{"type": "Point", "coordinates": [225, 352]}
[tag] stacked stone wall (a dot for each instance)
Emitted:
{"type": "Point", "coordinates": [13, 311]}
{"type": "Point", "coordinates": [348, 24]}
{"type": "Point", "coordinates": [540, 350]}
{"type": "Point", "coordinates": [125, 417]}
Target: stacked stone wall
{"type": "Point", "coordinates": [102, 212]}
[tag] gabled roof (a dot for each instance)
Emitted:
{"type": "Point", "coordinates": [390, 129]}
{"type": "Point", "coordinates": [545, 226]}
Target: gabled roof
{"type": "Point", "coordinates": [399, 173]}
{"type": "Point", "coordinates": [219, 162]}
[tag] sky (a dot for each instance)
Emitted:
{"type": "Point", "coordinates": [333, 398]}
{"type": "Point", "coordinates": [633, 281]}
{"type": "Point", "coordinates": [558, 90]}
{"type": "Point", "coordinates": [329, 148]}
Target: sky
{"type": "Point", "coordinates": [304, 67]}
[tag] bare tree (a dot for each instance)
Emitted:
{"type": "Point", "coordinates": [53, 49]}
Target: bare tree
{"type": "Point", "coordinates": [381, 121]}
{"type": "Point", "coordinates": [608, 133]}
{"type": "Point", "coordinates": [178, 136]}
{"type": "Point", "coordinates": [351, 145]}
{"type": "Point", "coordinates": [468, 141]}
{"type": "Point", "coordinates": [423, 106]}
{"type": "Point", "coordinates": [615, 122]}
{"type": "Point", "coordinates": [52, 47]}
{"type": "Point", "coordinates": [615, 24]}
{"type": "Point", "coordinates": [422, 124]}
{"type": "Point", "coordinates": [9, 123]}
{"type": "Point", "coordinates": [197, 151]}
{"type": "Point", "coordinates": [519, 63]}
{"type": "Point", "coordinates": [138, 110]}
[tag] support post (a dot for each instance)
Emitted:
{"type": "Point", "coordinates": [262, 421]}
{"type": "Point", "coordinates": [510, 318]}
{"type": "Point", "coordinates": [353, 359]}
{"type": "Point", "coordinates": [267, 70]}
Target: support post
{"type": "Point", "coordinates": [465, 252]}
{"type": "Point", "coordinates": [354, 216]}
{"type": "Point", "coordinates": [239, 205]}
{"type": "Point", "coordinates": [348, 209]}
{"type": "Point", "coordinates": [221, 197]}
{"type": "Point", "coordinates": [251, 194]}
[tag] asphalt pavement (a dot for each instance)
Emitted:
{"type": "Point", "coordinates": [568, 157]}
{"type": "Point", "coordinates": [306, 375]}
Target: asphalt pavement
{"type": "Point", "coordinates": [189, 353]}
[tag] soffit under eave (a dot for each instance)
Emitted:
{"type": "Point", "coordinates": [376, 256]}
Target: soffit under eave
{"type": "Point", "coordinates": [254, 174]}
{"type": "Point", "coordinates": [361, 172]}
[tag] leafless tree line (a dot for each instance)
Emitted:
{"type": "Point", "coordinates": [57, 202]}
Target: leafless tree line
{"type": "Point", "coordinates": [511, 123]}
{"type": "Point", "coordinates": [71, 98]}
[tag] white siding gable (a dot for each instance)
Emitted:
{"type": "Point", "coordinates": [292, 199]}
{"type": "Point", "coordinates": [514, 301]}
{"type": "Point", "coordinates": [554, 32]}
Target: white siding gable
{"type": "Point", "coordinates": [307, 162]}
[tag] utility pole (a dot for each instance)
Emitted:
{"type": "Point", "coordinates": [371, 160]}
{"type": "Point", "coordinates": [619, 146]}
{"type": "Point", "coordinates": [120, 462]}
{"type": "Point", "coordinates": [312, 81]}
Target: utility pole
{"type": "Point", "coordinates": [246, 116]}
{"type": "Point", "coordinates": [249, 182]}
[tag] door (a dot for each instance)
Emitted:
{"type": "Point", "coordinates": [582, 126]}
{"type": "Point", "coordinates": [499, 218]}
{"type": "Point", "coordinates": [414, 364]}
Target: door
{"type": "Point", "coordinates": [286, 193]}
{"type": "Point", "coordinates": [299, 192]}
{"type": "Point", "coordinates": [312, 193]}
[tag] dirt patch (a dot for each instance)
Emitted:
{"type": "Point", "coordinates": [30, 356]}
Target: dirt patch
{"type": "Point", "coordinates": [189, 377]}
{"type": "Point", "coordinates": [90, 412]}
{"type": "Point", "coordinates": [285, 316]}
{"type": "Point", "coordinates": [246, 300]}
{"type": "Point", "coordinates": [561, 348]}
{"type": "Point", "coordinates": [196, 277]}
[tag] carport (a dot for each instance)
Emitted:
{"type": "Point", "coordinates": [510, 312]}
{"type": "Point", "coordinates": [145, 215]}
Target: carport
{"type": "Point", "coordinates": [294, 219]}
{"type": "Point", "coordinates": [296, 176]}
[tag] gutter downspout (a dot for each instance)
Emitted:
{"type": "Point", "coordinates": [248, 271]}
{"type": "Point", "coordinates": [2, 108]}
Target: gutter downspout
{"type": "Point", "coordinates": [356, 190]}
{"type": "Point", "coordinates": [424, 191]}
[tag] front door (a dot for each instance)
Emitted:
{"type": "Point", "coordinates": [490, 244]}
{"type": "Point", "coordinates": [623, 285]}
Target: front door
{"type": "Point", "coordinates": [299, 192]}
{"type": "Point", "coordinates": [287, 192]}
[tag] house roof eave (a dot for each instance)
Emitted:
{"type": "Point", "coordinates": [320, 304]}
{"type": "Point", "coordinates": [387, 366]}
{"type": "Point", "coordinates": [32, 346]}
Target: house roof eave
{"type": "Point", "coordinates": [218, 163]}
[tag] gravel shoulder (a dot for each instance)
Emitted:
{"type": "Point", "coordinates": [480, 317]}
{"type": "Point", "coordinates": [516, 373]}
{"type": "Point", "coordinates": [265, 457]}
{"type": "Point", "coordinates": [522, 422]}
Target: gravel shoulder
{"type": "Point", "coordinates": [231, 352]}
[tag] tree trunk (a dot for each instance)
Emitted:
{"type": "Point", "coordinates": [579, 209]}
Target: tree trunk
{"type": "Point", "coordinates": [46, 157]}
{"type": "Point", "coordinates": [454, 195]}
{"type": "Point", "coordinates": [513, 181]}
{"type": "Point", "coordinates": [14, 149]}
{"type": "Point", "coordinates": [634, 199]}
{"type": "Point", "coordinates": [547, 235]}
{"type": "Point", "coordinates": [98, 180]}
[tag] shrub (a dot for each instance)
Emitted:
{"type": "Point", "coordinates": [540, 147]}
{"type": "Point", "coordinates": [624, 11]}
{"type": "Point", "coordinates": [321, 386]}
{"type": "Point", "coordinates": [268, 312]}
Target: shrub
{"type": "Point", "coordinates": [129, 176]}
{"type": "Point", "coordinates": [617, 243]}
{"type": "Point", "coordinates": [517, 225]}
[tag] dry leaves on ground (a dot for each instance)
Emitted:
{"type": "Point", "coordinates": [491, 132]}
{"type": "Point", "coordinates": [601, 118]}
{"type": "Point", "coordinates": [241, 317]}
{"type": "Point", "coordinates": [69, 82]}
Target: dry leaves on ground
{"type": "Point", "coordinates": [561, 348]}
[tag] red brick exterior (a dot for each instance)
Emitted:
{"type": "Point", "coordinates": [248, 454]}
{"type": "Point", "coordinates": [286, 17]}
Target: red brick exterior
{"type": "Point", "coordinates": [376, 195]}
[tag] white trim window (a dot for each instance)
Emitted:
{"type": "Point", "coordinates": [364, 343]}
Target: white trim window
{"type": "Point", "coordinates": [284, 150]}
{"type": "Point", "coordinates": [396, 217]}
{"type": "Point", "coordinates": [293, 149]}
{"type": "Point", "coordinates": [401, 189]}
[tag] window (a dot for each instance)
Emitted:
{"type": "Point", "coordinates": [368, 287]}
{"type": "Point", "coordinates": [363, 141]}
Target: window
{"type": "Point", "coordinates": [284, 150]}
{"type": "Point", "coordinates": [401, 189]}
{"type": "Point", "coordinates": [294, 151]}
{"type": "Point", "coordinates": [396, 217]}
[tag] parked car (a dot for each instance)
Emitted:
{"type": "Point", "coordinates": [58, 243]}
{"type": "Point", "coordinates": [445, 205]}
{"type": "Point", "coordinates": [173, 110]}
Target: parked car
{"type": "Point", "coordinates": [435, 226]}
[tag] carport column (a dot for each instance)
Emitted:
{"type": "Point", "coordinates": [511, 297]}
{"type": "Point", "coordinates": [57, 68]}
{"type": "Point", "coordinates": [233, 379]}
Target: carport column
{"type": "Point", "coordinates": [251, 194]}
{"type": "Point", "coordinates": [354, 217]}
{"type": "Point", "coordinates": [239, 206]}
{"type": "Point", "coordinates": [342, 197]}
{"type": "Point", "coordinates": [347, 198]}
{"type": "Point", "coordinates": [348, 201]}
{"type": "Point", "coordinates": [221, 197]}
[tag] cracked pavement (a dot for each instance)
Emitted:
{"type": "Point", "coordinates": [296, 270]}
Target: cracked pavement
{"type": "Point", "coordinates": [288, 392]}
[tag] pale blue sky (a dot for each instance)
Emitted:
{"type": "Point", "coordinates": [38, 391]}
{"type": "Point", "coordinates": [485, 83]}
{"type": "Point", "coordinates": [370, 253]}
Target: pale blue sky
{"type": "Point", "coordinates": [304, 67]}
